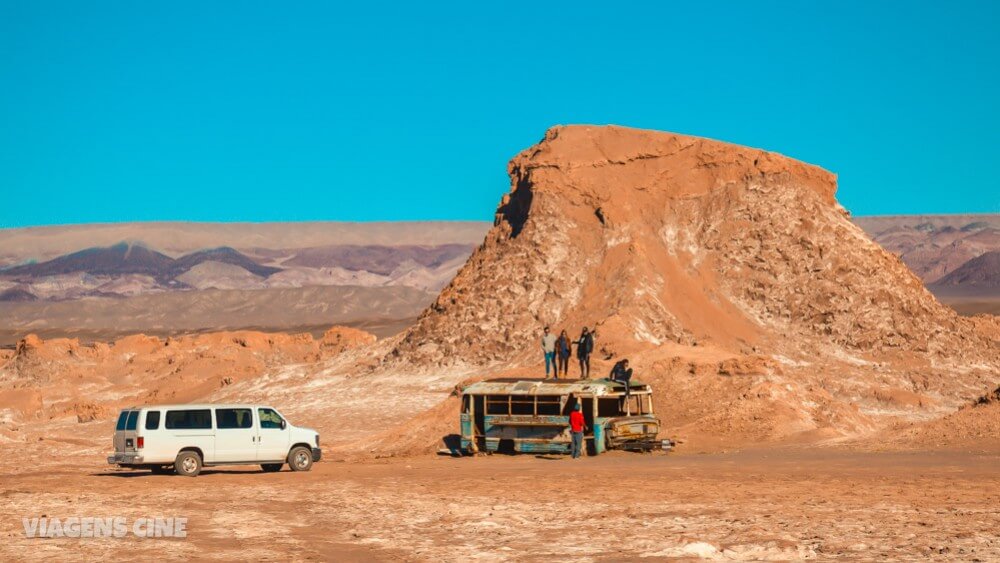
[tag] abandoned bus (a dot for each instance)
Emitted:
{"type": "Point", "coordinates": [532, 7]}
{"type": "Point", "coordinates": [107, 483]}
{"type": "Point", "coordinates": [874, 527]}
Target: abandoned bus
{"type": "Point", "coordinates": [532, 415]}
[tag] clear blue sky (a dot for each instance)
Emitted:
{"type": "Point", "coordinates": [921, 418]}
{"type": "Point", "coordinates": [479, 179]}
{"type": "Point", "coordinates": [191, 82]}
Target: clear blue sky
{"type": "Point", "coordinates": [254, 111]}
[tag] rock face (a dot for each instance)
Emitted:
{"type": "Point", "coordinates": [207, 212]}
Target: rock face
{"type": "Point", "coordinates": [656, 238]}
{"type": "Point", "coordinates": [339, 339]}
{"type": "Point", "coordinates": [694, 257]}
{"type": "Point", "coordinates": [89, 382]}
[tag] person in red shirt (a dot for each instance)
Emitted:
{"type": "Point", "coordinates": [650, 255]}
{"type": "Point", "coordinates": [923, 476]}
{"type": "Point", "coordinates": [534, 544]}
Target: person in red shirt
{"type": "Point", "coordinates": [576, 430]}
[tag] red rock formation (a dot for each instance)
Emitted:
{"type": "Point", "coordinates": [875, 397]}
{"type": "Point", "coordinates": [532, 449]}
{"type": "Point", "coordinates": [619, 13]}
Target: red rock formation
{"type": "Point", "coordinates": [89, 381]}
{"type": "Point", "coordinates": [701, 260]}
{"type": "Point", "coordinates": [656, 237]}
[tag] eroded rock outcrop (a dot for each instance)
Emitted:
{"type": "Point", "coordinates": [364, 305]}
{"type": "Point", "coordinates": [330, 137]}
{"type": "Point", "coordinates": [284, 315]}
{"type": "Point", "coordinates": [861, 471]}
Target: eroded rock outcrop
{"type": "Point", "coordinates": [673, 245]}
{"type": "Point", "coordinates": [61, 377]}
{"type": "Point", "coordinates": [656, 237]}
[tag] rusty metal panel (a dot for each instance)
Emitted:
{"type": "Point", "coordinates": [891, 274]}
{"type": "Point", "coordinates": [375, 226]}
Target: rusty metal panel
{"type": "Point", "coordinates": [594, 387]}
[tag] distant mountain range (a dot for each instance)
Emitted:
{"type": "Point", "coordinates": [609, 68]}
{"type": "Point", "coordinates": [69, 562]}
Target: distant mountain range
{"type": "Point", "coordinates": [933, 246]}
{"type": "Point", "coordinates": [125, 269]}
{"type": "Point", "coordinates": [982, 271]}
{"type": "Point", "coordinates": [125, 259]}
{"type": "Point", "coordinates": [956, 256]}
{"type": "Point", "coordinates": [276, 263]}
{"type": "Point", "coordinates": [161, 278]}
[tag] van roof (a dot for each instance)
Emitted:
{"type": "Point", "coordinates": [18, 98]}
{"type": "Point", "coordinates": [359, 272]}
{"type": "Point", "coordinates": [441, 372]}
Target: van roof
{"type": "Point", "coordinates": [190, 406]}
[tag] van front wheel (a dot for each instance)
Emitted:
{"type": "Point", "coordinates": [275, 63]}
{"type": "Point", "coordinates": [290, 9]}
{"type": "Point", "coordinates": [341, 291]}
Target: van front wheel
{"type": "Point", "coordinates": [188, 464]}
{"type": "Point", "coordinates": [300, 459]}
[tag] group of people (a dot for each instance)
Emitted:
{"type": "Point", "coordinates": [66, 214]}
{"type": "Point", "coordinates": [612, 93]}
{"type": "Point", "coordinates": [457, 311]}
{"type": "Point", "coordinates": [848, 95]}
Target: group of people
{"type": "Point", "coordinates": [558, 351]}
{"type": "Point", "coordinates": [620, 372]}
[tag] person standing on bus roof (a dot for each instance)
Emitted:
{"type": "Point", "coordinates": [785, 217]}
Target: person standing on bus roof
{"type": "Point", "coordinates": [564, 349]}
{"type": "Point", "coordinates": [576, 430]}
{"type": "Point", "coordinates": [549, 348]}
{"type": "Point", "coordinates": [584, 347]}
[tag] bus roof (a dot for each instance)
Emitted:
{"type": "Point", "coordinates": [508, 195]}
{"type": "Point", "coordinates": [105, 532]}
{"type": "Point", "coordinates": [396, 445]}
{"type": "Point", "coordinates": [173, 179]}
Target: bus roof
{"type": "Point", "coordinates": [525, 386]}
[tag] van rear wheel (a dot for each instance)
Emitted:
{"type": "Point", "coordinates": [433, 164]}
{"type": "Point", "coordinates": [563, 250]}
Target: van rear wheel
{"type": "Point", "coordinates": [271, 467]}
{"type": "Point", "coordinates": [300, 459]}
{"type": "Point", "coordinates": [188, 464]}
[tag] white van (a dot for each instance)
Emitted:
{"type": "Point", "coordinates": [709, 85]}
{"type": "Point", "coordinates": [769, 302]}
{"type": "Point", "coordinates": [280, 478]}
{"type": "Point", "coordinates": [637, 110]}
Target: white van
{"type": "Point", "coordinates": [185, 438]}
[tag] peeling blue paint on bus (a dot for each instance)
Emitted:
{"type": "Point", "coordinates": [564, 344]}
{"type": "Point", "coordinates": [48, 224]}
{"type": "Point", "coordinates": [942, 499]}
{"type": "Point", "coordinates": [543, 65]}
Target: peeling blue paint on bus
{"type": "Point", "coordinates": [506, 415]}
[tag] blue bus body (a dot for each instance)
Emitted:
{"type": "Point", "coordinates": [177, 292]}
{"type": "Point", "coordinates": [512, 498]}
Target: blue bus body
{"type": "Point", "coordinates": [532, 416]}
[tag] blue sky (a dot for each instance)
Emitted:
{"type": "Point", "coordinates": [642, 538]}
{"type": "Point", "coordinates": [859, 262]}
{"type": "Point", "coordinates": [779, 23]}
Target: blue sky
{"type": "Point", "coordinates": [254, 111]}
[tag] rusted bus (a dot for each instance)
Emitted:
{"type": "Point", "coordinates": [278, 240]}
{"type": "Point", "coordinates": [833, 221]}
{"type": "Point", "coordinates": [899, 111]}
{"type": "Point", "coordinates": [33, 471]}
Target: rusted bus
{"type": "Point", "coordinates": [532, 415]}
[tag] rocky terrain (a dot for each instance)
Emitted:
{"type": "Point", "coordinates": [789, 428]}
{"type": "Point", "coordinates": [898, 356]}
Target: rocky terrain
{"type": "Point", "coordinates": [729, 275]}
{"type": "Point", "coordinates": [788, 352]}
{"type": "Point", "coordinates": [42, 380]}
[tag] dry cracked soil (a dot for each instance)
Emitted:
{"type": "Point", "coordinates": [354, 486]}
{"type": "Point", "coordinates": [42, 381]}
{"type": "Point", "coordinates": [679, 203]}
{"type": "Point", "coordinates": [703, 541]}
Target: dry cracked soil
{"type": "Point", "coordinates": [784, 503]}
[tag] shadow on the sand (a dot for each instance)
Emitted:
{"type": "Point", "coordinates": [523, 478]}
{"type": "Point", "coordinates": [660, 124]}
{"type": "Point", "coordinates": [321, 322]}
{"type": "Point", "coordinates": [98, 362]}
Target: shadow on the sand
{"type": "Point", "coordinates": [146, 473]}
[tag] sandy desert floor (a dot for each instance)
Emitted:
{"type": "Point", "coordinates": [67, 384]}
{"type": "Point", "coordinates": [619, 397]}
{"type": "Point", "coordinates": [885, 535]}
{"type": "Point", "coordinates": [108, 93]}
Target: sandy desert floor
{"type": "Point", "coordinates": [778, 504]}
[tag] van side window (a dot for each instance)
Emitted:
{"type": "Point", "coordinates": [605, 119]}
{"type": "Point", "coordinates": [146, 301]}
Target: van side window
{"type": "Point", "coordinates": [189, 420]}
{"type": "Point", "coordinates": [121, 420]}
{"type": "Point", "coordinates": [233, 418]}
{"type": "Point", "coordinates": [152, 420]}
{"type": "Point", "coordinates": [269, 418]}
{"type": "Point", "coordinates": [133, 419]}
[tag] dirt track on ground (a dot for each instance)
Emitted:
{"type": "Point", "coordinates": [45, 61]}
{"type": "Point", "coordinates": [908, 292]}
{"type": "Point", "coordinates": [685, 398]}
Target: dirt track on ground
{"type": "Point", "coordinates": [784, 504]}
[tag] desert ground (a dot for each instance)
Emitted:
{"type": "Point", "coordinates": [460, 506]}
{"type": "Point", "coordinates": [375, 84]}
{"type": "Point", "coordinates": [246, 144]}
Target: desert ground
{"type": "Point", "coordinates": [824, 402]}
{"type": "Point", "coordinates": [787, 503]}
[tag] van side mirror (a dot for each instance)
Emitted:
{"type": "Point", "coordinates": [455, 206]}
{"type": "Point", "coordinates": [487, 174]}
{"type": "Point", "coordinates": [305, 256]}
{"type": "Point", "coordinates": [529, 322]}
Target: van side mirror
{"type": "Point", "coordinates": [283, 424]}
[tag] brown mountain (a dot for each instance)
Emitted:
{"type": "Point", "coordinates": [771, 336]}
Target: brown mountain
{"type": "Point", "coordinates": [934, 245]}
{"type": "Point", "coordinates": [373, 261]}
{"type": "Point", "coordinates": [378, 259]}
{"type": "Point", "coordinates": [224, 255]}
{"type": "Point", "coordinates": [17, 294]}
{"type": "Point", "coordinates": [125, 258]}
{"type": "Point", "coordinates": [698, 259]}
{"type": "Point", "coordinates": [982, 271]}
{"type": "Point", "coordinates": [120, 259]}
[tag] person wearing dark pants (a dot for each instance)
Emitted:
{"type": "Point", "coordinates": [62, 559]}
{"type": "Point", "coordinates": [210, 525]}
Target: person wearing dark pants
{"type": "Point", "coordinates": [576, 430]}
{"type": "Point", "coordinates": [584, 347]}
{"type": "Point", "coordinates": [621, 372]}
{"type": "Point", "coordinates": [564, 349]}
{"type": "Point", "coordinates": [549, 349]}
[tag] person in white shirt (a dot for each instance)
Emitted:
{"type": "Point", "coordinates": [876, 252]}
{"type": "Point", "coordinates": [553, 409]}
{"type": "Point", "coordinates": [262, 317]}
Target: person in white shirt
{"type": "Point", "coordinates": [549, 348]}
